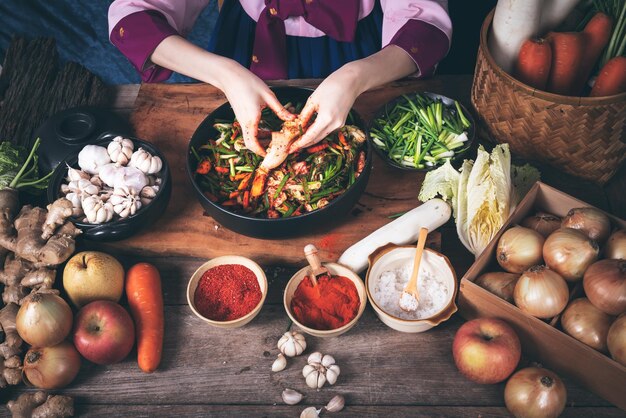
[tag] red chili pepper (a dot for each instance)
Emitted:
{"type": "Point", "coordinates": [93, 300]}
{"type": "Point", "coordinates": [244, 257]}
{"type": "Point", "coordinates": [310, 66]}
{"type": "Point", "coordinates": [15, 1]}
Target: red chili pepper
{"type": "Point", "coordinates": [233, 195]}
{"type": "Point", "coordinates": [317, 148]}
{"type": "Point", "coordinates": [246, 199]}
{"type": "Point", "coordinates": [342, 139]}
{"type": "Point", "coordinates": [222, 170]}
{"type": "Point", "coordinates": [203, 167]}
{"type": "Point", "coordinates": [241, 176]}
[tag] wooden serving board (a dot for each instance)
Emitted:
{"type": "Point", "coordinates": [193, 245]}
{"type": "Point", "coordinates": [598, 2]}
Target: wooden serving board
{"type": "Point", "coordinates": [168, 114]}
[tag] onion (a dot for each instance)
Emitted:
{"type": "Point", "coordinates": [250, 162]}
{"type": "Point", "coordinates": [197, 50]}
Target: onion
{"type": "Point", "coordinates": [544, 223]}
{"type": "Point", "coordinates": [616, 245]}
{"type": "Point", "coordinates": [605, 286]}
{"type": "Point", "coordinates": [541, 292]}
{"type": "Point", "coordinates": [51, 367]}
{"type": "Point", "coordinates": [519, 249]}
{"type": "Point", "coordinates": [44, 319]}
{"type": "Point", "coordinates": [617, 340]}
{"type": "Point", "coordinates": [595, 224]}
{"type": "Point", "coordinates": [499, 283]}
{"type": "Point", "coordinates": [586, 323]}
{"type": "Point", "coordinates": [535, 392]}
{"type": "Point", "coordinates": [569, 252]}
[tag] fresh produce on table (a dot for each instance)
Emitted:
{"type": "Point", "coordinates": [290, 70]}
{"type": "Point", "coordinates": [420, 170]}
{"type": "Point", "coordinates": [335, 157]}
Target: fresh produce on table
{"type": "Point", "coordinates": [616, 245]}
{"type": "Point", "coordinates": [330, 304]}
{"type": "Point", "coordinates": [519, 248]}
{"type": "Point", "coordinates": [596, 33]}
{"type": "Point", "coordinates": [567, 52]}
{"type": "Point", "coordinates": [93, 275]}
{"type": "Point", "coordinates": [320, 369]}
{"type": "Point", "coordinates": [227, 292]}
{"type": "Point", "coordinates": [291, 344]}
{"type": "Point", "coordinates": [541, 292]}
{"type": "Point", "coordinates": [535, 392]}
{"type": "Point", "coordinates": [113, 182]}
{"type": "Point", "coordinates": [291, 397]}
{"type": "Point", "coordinates": [586, 323]}
{"type": "Point", "coordinates": [280, 363]}
{"type": "Point", "coordinates": [605, 285]}
{"type": "Point", "coordinates": [145, 299]}
{"type": "Point", "coordinates": [403, 230]}
{"type": "Point", "coordinates": [569, 252]}
{"type": "Point", "coordinates": [104, 332]}
{"type": "Point", "coordinates": [544, 223]}
{"type": "Point", "coordinates": [616, 340]}
{"type": "Point", "coordinates": [482, 195]}
{"type": "Point", "coordinates": [18, 167]}
{"type": "Point", "coordinates": [41, 405]}
{"type": "Point", "coordinates": [44, 319]}
{"type": "Point", "coordinates": [593, 222]}
{"type": "Point", "coordinates": [420, 131]}
{"type": "Point", "coordinates": [280, 185]}
{"type": "Point", "coordinates": [611, 78]}
{"type": "Point", "coordinates": [336, 404]}
{"type": "Point", "coordinates": [534, 62]}
{"type": "Point", "coordinates": [51, 367]}
{"type": "Point", "coordinates": [616, 11]}
{"type": "Point", "coordinates": [486, 350]}
{"type": "Point", "coordinates": [499, 283]}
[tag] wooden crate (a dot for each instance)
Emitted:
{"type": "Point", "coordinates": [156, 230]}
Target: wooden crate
{"type": "Point", "coordinates": [540, 340]}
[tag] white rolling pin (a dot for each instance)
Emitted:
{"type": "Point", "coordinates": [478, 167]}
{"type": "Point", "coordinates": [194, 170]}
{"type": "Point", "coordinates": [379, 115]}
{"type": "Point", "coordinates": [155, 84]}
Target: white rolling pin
{"type": "Point", "coordinates": [404, 230]}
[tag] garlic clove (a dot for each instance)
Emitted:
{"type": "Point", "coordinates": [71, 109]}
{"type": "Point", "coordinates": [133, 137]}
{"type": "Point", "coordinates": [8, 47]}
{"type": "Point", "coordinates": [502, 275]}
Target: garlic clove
{"type": "Point", "coordinates": [315, 357]}
{"type": "Point", "coordinates": [327, 360]}
{"type": "Point", "coordinates": [291, 397]}
{"type": "Point", "coordinates": [336, 404]}
{"type": "Point", "coordinates": [332, 373]}
{"type": "Point", "coordinates": [308, 369]}
{"type": "Point", "coordinates": [310, 412]}
{"type": "Point", "coordinates": [280, 363]}
{"type": "Point", "coordinates": [315, 380]}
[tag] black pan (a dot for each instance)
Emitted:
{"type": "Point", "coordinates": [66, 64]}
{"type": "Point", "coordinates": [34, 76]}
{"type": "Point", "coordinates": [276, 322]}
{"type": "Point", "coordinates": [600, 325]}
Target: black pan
{"type": "Point", "coordinates": [319, 220]}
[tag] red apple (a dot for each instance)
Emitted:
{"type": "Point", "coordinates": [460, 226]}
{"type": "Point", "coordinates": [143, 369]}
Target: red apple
{"type": "Point", "coordinates": [104, 332]}
{"type": "Point", "coordinates": [486, 350]}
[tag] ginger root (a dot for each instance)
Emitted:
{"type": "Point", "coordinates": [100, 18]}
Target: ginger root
{"type": "Point", "coordinates": [41, 405]}
{"type": "Point", "coordinates": [12, 341]}
{"type": "Point", "coordinates": [10, 371]}
{"type": "Point", "coordinates": [18, 275]}
{"type": "Point", "coordinates": [58, 212]}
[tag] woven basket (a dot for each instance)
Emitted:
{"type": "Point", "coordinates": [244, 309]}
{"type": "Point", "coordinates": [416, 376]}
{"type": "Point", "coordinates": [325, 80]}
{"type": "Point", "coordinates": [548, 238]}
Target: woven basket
{"type": "Point", "coordinates": [582, 136]}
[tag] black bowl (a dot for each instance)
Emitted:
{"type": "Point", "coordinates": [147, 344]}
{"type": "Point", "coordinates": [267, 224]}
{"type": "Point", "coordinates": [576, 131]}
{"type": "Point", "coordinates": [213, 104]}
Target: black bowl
{"type": "Point", "coordinates": [280, 227]}
{"type": "Point", "coordinates": [458, 156]}
{"type": "Point", "coordinates": [121, 228]}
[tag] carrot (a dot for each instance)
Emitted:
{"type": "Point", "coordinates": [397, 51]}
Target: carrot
{"type": "Point", "coordinates": [203, 167]}
{"type": "Point", "coordinates": [597, 33]}
{"type": "Point", "coordinates": [143, 290]}
{"type": "Point", "coordinates": [246, 199]}
{"type": "Point", "coordinates": [317, 148]}
{"type": "Point", "coordinates": [342, 139]}
{"type": "Point", "coordinates": [567, 53]}
{"type": "Point", "coordinates": [533, 63]}
{"type": "Point", "coordinates": [222, 170]}
{"type": "Point", "coordinates": [612, 78]}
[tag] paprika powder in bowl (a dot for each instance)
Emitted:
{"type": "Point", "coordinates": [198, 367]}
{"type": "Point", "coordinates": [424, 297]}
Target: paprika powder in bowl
{"type": "Point", "coordinates": [343, 297]}
{"type": "Point", "coordinates": [227, 291]}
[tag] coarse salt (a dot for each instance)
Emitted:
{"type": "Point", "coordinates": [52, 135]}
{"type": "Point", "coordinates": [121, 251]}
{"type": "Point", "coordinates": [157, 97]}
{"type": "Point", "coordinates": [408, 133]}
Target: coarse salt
{"type": "Point", "coordinates": [388, 288]}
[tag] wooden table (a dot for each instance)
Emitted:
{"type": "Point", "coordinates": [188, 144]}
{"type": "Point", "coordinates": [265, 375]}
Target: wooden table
{"type": "Point", "coordinates": [212, 372]}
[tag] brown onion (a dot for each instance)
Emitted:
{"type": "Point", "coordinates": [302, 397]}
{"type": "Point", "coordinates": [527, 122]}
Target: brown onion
{"type": "Point", "coordinates": [44, 319]}
{"type": "Point", "coordinates": [605, 286]}
{"type": "Point", "coordinates": [616, 340]}
{"type": "Point", "coordinates": [51, 367]}
{"type": "Point", "coordinates": [534, 392]}
{"type": "Point", "coordinates": [595, 224]}
{"type": "Point", "coordinates": [569, 252]}
{"type": "Point", "coordinates": [586, 323]}
{"type": "Point", "coordinates": [544, 223]}
{"type": "Point", "coordinates": [499, 283]}
{"type": "Point", "coordinates": [616, 245]}
{"type": "Point", "coordinates": [519, 249]}
{"type": "Point", "coordinates": [541, 292]}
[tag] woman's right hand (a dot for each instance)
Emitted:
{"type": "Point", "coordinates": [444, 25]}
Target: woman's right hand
{"type": "Point", "coordinates": [249, 95]}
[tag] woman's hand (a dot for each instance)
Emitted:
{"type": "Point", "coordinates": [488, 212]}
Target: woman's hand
{"type": "Point", "coordinates": [332, 101]}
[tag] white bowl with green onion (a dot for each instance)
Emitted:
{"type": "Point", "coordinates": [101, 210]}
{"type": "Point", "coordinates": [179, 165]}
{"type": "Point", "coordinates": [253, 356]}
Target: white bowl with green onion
{"type": "Point", "coordinates": [421, 131]}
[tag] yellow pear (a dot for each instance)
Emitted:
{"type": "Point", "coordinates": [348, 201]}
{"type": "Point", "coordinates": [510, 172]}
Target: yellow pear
{"type": "Point", "coordinates": [93, 275]}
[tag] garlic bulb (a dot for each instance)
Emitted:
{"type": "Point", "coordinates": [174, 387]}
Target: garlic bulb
{"type": "Point", "coordinates": [77, 204]}
{"type": "Point", "coordinates": [120, 150]}
{"type": "Point", "coordinates": [116, 176]}
{"type": "Point", "coordinates": [310, 412]}
{"type": "Point", "coordinates": [97, 211]}
{"type": "Point", "coordinates": [148, 193]}
{"type": "Point", "coordinates": [336, 404]}
{"type": "Point", "coordinates": [125, 201]}
{"type": "Point", "coordinates": [74, 174]}
{"type": "Point", "coordinates": [291, 397]}
{"type": "Point", "coordinates": [320, 369]}
{"type": "Point", "coordinates": [92, 157]}
{"type": "Point", "coordinates": [146, 162]}
{"type": "Point", "coordinates": [83, 187]}
{"type": "Point", "coordinates": [291, 344]}
{"type": "Point", "coordinates": [279, 364]}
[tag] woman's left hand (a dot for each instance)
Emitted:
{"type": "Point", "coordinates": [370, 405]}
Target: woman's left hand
{"type": "Point", "coordinates": [332, 101]}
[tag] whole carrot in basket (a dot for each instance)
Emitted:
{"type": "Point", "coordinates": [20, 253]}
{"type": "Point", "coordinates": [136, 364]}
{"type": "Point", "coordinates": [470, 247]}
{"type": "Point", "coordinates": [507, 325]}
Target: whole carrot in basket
{"type": "Point", "coordinates": [597, 33]}
{"type": "Point", "coordinates": [533, 63]}
{"type": "Point", "coordinates": [143, 290]}
{"type": "Point", "coordinates": [611, 79]}
{"type": "Point", "coordinates": [567, 54]}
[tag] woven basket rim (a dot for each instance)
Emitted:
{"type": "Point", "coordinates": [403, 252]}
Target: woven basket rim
{"type": "Point", "coordinates": [551, 97]}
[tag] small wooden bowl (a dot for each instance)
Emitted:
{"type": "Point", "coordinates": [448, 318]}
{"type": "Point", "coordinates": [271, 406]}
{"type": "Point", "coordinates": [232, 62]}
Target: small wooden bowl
{"type": "Point", "coordinates": [228, 259]}
{"type": "Point", "coordinates": [336, 270]}
{"type": "Point", "coordinates": [391, 255]}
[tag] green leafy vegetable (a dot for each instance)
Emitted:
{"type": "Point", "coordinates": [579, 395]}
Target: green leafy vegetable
{"type": "Point", "coordinates": [18, 169]}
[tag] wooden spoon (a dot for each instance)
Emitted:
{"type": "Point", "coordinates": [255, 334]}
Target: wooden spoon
{"type": "Point", "coordinates": [310, 252]}
{"type": "Point", "coordinates": [410, 296]}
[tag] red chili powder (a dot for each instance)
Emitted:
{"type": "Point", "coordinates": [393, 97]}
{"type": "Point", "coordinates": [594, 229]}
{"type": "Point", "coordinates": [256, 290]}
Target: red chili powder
{"type": "Point", "coordinates": [227, 292]}
{"type": "Point", "coordinates": [330, 305]}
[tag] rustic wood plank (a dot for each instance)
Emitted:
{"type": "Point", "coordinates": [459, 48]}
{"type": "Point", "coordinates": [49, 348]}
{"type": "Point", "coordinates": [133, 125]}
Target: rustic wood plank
{"type": "Point", "coordinates": [283, 411]}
